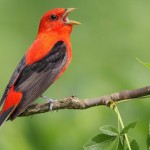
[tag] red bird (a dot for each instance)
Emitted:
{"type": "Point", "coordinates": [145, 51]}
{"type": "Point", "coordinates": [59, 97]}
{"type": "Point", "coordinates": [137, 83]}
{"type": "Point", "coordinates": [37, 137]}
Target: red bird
{"type": "Point", "coordinates": [46, 59]}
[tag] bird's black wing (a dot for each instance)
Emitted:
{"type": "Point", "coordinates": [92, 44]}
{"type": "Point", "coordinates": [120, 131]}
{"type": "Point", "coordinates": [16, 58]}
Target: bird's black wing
{"type": "Point", "coordinates": [36, 78]}
{"type": "Point", "coordinates": [13, 78]}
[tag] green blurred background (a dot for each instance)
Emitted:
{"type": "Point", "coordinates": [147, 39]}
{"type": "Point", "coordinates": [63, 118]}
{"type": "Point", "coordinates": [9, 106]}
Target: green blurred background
{"type": "Point", "coordinates": [105, 47]}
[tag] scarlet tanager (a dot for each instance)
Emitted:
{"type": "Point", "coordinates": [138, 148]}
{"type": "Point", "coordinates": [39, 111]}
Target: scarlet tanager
{"type": "Point", "coordinates": [44, 62]}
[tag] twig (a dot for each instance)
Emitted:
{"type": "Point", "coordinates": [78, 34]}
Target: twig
{"type": "Point", "coordinates": [76, 103]}
{"type": "Point", "coordinates": [122, 126]}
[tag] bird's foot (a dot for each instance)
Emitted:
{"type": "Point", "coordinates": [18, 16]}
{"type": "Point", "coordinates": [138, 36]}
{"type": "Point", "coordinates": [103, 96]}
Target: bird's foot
{"type": "Point", "coordinates": [51, 101]}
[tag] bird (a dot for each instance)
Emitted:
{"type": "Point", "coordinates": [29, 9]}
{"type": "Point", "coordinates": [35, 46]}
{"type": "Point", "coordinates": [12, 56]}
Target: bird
{"type": "Point", "coordinates": [43, 63]}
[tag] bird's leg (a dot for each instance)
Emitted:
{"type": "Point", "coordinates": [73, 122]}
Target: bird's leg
{"type": "Point", "coordinates": [51, 101]}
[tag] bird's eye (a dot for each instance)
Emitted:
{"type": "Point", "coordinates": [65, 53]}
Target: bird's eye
{"type": "Point", "coordinates": [53, 17]}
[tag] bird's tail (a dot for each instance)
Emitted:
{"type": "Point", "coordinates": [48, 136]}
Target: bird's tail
{"type": "Point", "coordinates": [4, 115]}
{"type": "Point", "coordinates": [11, 102]}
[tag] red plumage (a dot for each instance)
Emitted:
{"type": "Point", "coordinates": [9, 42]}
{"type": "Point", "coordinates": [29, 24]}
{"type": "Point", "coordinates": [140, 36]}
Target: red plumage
{"type": "Point", "coordinates": [45, 60]}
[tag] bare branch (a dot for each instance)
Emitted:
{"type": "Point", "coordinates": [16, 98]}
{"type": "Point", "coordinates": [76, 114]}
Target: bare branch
{"type": "Point", "coordinates": [76, 103]}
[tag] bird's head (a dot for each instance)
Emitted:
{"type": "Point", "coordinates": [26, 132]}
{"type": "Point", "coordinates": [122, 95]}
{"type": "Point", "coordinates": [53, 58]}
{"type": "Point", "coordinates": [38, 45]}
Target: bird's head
{"type": "Point", "coordinates": [56, 20]}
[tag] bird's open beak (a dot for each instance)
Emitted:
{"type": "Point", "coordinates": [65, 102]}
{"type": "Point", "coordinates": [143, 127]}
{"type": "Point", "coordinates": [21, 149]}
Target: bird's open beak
{"type": "Point", "coordinates": [65, 17]}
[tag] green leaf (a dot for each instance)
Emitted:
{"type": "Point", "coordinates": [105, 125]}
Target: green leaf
{"type": "Point", "coordinates": [144, 63]}
{"type": "Point", "coordinates": [120, 145]}
{"type": "Point", "coordinates": [134, 145]}
{"type": "Point", "coordinates": [109, 130]}
{"type": "Point", "coordinates": [100, 138]}
{"type": "Point", "coordinates": [129, 126]}
{"type": "Point", "coordinates": [116, 145]}
{"type": "Point", "coordinates": [100, 141]}
{"type": "Point", "coordinates": [148, 138]}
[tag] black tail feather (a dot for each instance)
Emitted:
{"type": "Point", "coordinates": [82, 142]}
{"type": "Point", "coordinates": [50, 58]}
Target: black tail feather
{"type": "Point", "coordinates": [4, 115]}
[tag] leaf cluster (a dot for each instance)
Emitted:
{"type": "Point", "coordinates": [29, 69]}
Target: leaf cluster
{"type": "Point", "coordinates": [110, 138]}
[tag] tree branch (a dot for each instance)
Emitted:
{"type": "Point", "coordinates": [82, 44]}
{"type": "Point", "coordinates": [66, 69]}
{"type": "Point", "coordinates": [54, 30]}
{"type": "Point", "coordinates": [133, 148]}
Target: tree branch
{"type": "Point", "coordinates": [76, 103]}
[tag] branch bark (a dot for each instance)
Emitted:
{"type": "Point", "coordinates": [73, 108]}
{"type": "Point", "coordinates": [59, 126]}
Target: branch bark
{"type": "Point", "coordinates": [73, 102]}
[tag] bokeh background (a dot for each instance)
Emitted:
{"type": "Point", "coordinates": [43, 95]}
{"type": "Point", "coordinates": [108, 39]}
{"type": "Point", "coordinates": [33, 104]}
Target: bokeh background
{"type": "Point", "coordinates": [105, 47]}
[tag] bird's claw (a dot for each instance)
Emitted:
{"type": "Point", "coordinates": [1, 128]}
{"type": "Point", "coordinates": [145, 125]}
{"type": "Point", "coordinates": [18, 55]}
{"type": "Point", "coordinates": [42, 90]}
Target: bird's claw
{"type": "Point", "coordinates": [51, 101]}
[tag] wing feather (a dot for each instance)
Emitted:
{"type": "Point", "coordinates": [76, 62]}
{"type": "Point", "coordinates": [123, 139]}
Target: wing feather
{"type": "Point", "coordinates": [36, 78]}
{"type": "Point", "coordinates": [13, 78]}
